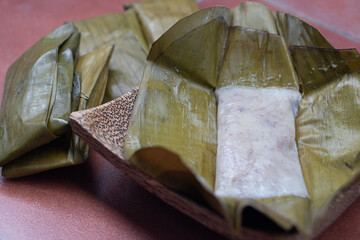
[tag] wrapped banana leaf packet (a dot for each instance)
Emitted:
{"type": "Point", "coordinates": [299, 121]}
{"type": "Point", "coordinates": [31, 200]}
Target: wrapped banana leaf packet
{"type": "Point", "coordinates": [47, 83]}
{"type": "Point", "coordinates": [284, 69]}
{"type": "Point", "coordinates": [72, 69]}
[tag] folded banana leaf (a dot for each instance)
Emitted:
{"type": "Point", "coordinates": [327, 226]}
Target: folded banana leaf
{"type": "Point", "coordinates": [298, 33]}
{"type": "Point", "coordinates": [68, 149]}
{"type": "Point", "coordinates": [174, 117]}
{"type": "Point", "coordinates": [257, 59]}
{"type": "Point", "coordinates": [157, 16]}
{"type": "Point", "coordinates": [295, 31]}
{"type": "Point", "coordinates": [255, 15]}
{"type": "Point", "coordinates": [130, 48]}
{"type": "Point", "coordinates": [328, 124]}
{"type": "Point", "coordinates": [39, 85]}
{"type": "Point", "coordinates": [94, 70]}
{"type": "Point", "coordinates": [127, 32]}
{"type": "Point", "coordinates": [162, 74]}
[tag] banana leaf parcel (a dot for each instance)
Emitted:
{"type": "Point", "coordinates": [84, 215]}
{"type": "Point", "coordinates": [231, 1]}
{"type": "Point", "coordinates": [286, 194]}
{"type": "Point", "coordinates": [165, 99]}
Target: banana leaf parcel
{"type": "Point", "coordinates": [172, 134]}
{"type": "Point", "coordinates": [35, 137]}
{"type": "Point", "coordinates": [39, 85]}
{"type": "Point", "coordinates": [47, 83]}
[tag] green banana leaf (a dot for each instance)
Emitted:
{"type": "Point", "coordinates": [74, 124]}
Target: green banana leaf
{"type": "Point", "coordinates": [68, 149]}
{"type": "Point", "coordinates": [295, 31]}
{"type": "Point", "coordinates": [127, 32]}
{"type": "Point", "coordinates": [255, 15]}
{"type": "Point", "coordinates": [130, 48]}
{"type": "Point", "coordinates": [157, 16]}
{"type": "Point", "coordinates": [94, 69]}
{"type": "Point", "coordinates": [328, 124]}
{"type": "Point", "coordinates": [257, 59]}
{"type": "Point", "coordinates": [39, 85]}
{"type": "Point", "coordinates": [298, 33]}
{"type": "Point", "coordinates": [165, 85]}
{"type": "Point", "coordinates": [172, 131]}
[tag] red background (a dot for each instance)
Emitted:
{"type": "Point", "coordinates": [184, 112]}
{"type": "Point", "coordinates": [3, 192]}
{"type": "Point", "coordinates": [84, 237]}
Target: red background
{"type": "Point", "coordinates": [96, 200]}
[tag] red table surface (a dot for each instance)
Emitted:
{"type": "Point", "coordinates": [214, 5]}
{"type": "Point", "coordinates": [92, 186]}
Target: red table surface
{"type": "Point", "coordinates": [95, 200]}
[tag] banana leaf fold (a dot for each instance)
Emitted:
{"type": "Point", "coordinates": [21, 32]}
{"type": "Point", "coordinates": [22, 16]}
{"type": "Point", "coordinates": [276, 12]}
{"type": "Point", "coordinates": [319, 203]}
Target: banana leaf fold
{"type": "Point", "coordinates": [131, 33]}
{"type": "Point", "coordinates": [295, 31]}
{"type": "Point", "coordinates": [327, 125]}
{"type": "Point", "coordinates": [124, 31]}
{"type": "Point", "coordinates": [157, 16]}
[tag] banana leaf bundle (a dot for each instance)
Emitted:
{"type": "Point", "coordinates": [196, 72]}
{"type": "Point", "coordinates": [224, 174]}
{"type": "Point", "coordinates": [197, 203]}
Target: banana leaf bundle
{"type": "Point", "coordinates": [46, 84]}
{"type": "Point", "coordinates": [131, 33]}
{"type": "Point", "coordinates": [39, 85]}
{"type": "Point", "coordinates": [49, 82]}
{"type": "Point", "coordinates": [172, 134]}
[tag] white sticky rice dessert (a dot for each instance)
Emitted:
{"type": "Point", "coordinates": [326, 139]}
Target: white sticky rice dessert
{"type": "Point", "coordinates": [257, 155]}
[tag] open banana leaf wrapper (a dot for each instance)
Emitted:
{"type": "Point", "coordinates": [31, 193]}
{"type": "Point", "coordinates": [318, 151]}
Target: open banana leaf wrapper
{"type": "Point", "coordinates": [172, 134]}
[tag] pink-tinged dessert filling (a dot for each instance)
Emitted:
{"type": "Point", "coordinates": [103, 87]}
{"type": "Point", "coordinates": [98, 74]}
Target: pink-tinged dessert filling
{"type": "Point", "coordinates": [257, 155]}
